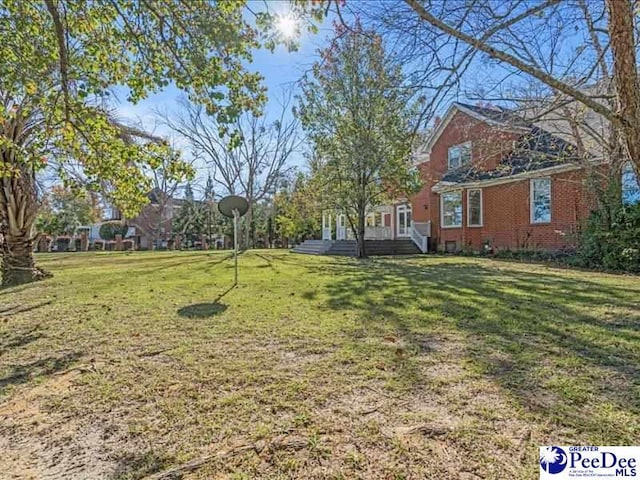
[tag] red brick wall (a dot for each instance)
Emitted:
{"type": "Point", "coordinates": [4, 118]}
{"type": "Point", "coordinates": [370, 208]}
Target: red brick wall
{"type": "Point", "coordinates": [488, 146]}
{"type": "Point", "coordinates": [506, 208]}
{"type": "Point", "coordinates": [151, 221]}
{"type": "Point", "coordinates": [507, 221]}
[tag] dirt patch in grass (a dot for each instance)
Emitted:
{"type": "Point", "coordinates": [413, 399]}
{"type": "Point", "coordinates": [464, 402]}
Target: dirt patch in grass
{"type": "Point", "coordinates": [316, 368]}
{"type": "Point", "coordinates": [38, 441]}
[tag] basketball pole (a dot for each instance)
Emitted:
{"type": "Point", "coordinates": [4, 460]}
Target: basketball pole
{"type": "Point", "coordinates": [233, 206]}
{"type": "Point", "coordinates": [235, 244]}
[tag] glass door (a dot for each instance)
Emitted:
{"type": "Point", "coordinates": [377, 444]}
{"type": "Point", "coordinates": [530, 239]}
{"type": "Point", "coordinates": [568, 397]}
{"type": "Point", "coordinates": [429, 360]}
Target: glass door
{"type": "Point", "coordinates": [403, 224]}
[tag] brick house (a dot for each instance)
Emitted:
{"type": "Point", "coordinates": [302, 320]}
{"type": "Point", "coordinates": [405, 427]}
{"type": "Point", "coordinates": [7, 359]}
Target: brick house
{"type": "Point", "coordinates": [492, 180]}
{"type": "Point", "coordinates": [153, 227]}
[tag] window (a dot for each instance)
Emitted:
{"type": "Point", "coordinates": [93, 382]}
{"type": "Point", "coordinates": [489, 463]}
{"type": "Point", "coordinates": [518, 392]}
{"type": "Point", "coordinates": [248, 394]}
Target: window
{"type": "Point", "coordinates": [541, 200]}
{"type": "Point", "coordinates": [451, 206]}
{"type": "Point", "coordinates": [474, 208]}
{"type": "Point", "coordinates": [370, 220]}
{"type": "Point", "coordinates": [459, 155]}
{"type": "Point", "coordinates": [630, 185]}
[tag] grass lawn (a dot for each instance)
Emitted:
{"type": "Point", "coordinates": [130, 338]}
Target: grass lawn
{"type": "Point", "coordinates": [124, 365]}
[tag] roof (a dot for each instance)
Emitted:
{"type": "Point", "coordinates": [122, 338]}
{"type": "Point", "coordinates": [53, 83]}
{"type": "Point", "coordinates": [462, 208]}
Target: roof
{"type": "Point", "coordinates": [491, 115]}
{"type": "Point", "coordinates": [495, 114]}
{"type": "Point", "coordinates": [535, 150]}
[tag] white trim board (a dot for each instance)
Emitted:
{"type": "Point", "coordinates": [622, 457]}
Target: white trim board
{"type": "Point", "coordinates": [442, 187]}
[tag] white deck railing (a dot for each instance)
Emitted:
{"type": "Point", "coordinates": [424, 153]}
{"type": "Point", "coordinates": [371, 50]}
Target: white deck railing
{"type": "Point", "coordinates": [420, 233]}
{"type": "Point", "coordinates": [373, 233]}
{"type": "Point", "coordinates": [378, 233]}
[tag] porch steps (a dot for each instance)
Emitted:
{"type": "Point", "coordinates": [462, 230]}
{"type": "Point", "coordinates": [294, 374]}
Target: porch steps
{"type": "Point", "coordinates": [391, 247]}
{"type": "Point", "coordinates": [313, 247]}
{"type": "Point", "coordinates": [343, 248]}
{"type": "Point", "coordinates": [349, 247]}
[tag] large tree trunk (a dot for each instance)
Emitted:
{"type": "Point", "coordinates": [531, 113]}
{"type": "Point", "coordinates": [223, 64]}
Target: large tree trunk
{"type": "Point", "coordinates": [621, 32]}
{"type": "Point", "coordinates": [18, 209]}
{"type": "Point", "coordinates": [362, 246]}
{"type": "Point", "coordinates": [18, 264]}
{"type": "Point", "coordinates": [625, 74]}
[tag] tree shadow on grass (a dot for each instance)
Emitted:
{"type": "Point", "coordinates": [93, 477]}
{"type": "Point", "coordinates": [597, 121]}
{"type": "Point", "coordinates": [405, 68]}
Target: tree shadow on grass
{"type": "Point", "coordinates": [554, 340]}
{"type": "Point", "coordinates": [11, 340]}
{"type": "Point", "coordinates": [11, 289]}
{"type": "Point", "coordinates": [21, 373]}
{"type": "Point", "coordinates": [22, 308]}
{"type": "Point", "coordinates": [140, 465]}
{"type": "Point", "coordinates": [204, 260]}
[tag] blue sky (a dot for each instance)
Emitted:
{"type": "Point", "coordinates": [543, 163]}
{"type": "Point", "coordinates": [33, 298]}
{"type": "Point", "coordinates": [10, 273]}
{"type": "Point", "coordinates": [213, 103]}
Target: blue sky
{"type": "Point", "coordinates": [281, 70]}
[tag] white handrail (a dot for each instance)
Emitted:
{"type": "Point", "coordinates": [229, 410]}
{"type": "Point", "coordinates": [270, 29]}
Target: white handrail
{"type": "Point", "coordinates": [421, 240]}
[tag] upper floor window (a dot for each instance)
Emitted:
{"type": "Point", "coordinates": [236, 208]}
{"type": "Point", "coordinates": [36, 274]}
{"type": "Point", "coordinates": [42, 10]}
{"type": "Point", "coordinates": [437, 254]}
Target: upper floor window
{"type": "Point", "coordinates": [459, 155]}
{"type": "Point", "coordinates": [112, 213]}
{"type": "Point", "coordinates": [540, 200]}
{"type": "Point", "coordinates": [630, 185]}
{"type": "Point", "coordinates": [451, 205]}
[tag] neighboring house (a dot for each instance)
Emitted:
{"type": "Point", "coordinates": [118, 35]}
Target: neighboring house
{"type": "Point", "coordinates": [493, 181]}
{"type": "Point", "coordinates": [152, 228]}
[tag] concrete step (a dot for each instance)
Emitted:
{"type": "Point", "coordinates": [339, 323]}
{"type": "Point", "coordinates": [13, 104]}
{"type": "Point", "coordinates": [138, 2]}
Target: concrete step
{"type": "Point", "coordinates": [312, 247]}
{"type": "Point", "coordinates": [391, 247]}
{"type": "Point", "coordinates": [302, 249]}
{"type": "Point", "coordinates": [349, 247]}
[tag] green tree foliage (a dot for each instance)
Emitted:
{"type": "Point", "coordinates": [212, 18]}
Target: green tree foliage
{"type": "Point", "coordinates": [191, 218]}
{"type": "Point", "coordinates": [612, 243]}
{"type": "Point", "coordinates": [60, 59]}
{"type": "Point", "coordinates": [610, 238]}
{"type": "Point", "coordinates": [297, 210]}
{"type": "Point", "coordinates": [260, 234]}
{"type": "Point", "coordinates": [109, 230]}
{"type": "Point", "coordinates": [64, 211]}
{"type": "Point", "coordinates": [360, 116]}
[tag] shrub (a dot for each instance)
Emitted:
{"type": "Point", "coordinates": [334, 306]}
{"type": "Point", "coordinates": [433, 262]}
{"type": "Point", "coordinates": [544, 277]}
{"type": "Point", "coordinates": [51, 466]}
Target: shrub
{"type": "Point", "coordinates": [612, 240]}
{"type": "Point", "coordinates": [109, 230]}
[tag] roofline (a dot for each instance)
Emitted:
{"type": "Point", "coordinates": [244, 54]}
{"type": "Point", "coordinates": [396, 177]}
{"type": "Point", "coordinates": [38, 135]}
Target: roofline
{"type": "Point", "coordinates": [453, 109]}
{"type": "Point", "coordinates": [443, 187]}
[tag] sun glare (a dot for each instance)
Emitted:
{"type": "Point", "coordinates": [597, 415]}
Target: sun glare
{"type": "Point", "coordinates": [287, 25]}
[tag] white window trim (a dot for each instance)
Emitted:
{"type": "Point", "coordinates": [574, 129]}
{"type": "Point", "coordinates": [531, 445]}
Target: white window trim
{"type": "Point", "coordinates": [531, 205]}
{"type": "Point", "coordinates": [475, 225]}
{"type": "Point", "coordinates": [463, 144]}
{"type": "Point", "coordinates": [442, 225]}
